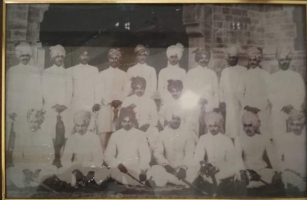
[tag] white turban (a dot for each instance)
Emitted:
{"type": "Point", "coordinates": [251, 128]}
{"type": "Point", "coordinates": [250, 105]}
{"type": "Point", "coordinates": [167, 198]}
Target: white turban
{"type": "Point", "coordinates": [214, 118]}
{"type": "Point", "coordinates": [283, 52]}
{"type": "Point", "coordinates": [254, 51]}
{"type": "Point", "coordinates": [175, 50]}
{"type": "Point", "coordinates": [22, 49]}
{"type": "Point", "coordinates": [174, 111]}
{"type": "Point", "coordinates": [250, 118]}
{"type": "Point", "coordinates": [82, 116]}
{"type": "Point", "coordinates": [57, 50]}
{"type": "Point", "coordinates": [232, 51]}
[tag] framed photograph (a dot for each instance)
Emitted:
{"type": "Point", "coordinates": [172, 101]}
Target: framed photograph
{"type": "Point", "coordinates": [137, 99]}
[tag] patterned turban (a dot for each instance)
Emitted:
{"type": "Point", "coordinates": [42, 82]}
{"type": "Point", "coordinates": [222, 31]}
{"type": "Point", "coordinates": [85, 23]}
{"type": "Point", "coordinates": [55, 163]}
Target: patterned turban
{"type": "Point", "coordinates": [283, 52]}
{"type": "Point", "coordinates": [115, 52]}
{"type": "Point", "coordinates": [82, 116]}
{"type": "Point", "coordinates": [57, 50]}
{"type": "Point", "coordinates": [36, 115]}
{"type": "Point", "coordinates": [128, 112]}
{"type": "Point", "coordinates": [254, 51]}
{"type": "Point", "coordinates": [200, 51]}
{"type": "Point", "coordinates": [250, 118]}
{"type": "Point", "coordinates": [297, 115]}
{"type": "Point", "coordinates": [232, 51]}
{"type": "Point", "coordinates": [175, 50]}
{"type": "Point", "coordinates": [22, 49]}
{"type": "Point", "coordinates": [214, 117]}
{"type": "Point", "coordinates": [174, 84]}
{"type": "Point", "coordinates": [137, 81]}
{"type": "Point", "coordinates": [141, 48]}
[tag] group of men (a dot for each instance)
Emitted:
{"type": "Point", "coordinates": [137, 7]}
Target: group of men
{"type": "Point", "coordinates": [94, 125]}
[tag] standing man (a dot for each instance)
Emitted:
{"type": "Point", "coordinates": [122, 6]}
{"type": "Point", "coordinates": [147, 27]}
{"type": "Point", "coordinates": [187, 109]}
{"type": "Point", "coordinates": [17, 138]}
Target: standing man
{"type": "Point", "coordinates": [174, 152]}
{"type": "Point", "coordinates": [256, 93]}
{"type": "Point", "coordinates": [57, 93]}
{"type": "Point", "coordinates": [202, 82]}
{"type": "Point", "coordinates": [110, 93]}
{"type": "Point", "coordinates": [145, 109]}
{"type": "Point", "coordinates": [231, 92]}
{"type": "Point", "coordinates": [128, 152]}
{"type": "Point", "coordinates": [293, 151]}
{"type": "Point", "coordinates": [143, 70]}
{"type": "Point", "coordinates": [84, 78]}
{"type": "Point", "coordinates": [172, 71]}
{"type": "Point", "coordinates": [286, 92]}
{"type": "Point", "coordinates": [24, 90]}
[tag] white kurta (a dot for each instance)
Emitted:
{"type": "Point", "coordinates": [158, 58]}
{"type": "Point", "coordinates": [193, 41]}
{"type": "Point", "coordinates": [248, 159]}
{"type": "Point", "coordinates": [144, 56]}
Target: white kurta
{"type": "Point", "coordinates": [256, 94]}
{"type": "Point", "coordinates": [148, 73]}
{"type": "Point", "coordinates": [294, 154]}
{"type": "Point", "coordinates": [253, 149]}
{"type": "Point", "coordinates": [174, 148]}
{"type": "Point", "coordinates": [231, 92]}
{"type": "Point", "coordinates": [87, 155]}
{"type": "Point", "coordinates": [57, 89]}
{"type": "Point", "coordinates": [131, 149]}
{"type": "Point", "coordinates": [111, 86]}
{"type": "Point", "coordinates": [24, 92]}
{"type": "Point", "coordinates": [285, 88]}
{"type": "Point", "coordinates": [203, 82]}
{"type": "Point", "coordinates": [169, 73]}
{"type": "Point", "coordinates": [84, 79]}
{"type": "Point", "coordinates": [219, 151]}
{"type": "Point", "coordinates": [33, 150]}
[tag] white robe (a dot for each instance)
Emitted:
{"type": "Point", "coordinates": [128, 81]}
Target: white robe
{"type": "Point", "coordinates": [220, 152]}
{"type": "Point", "coordinates": [33, 150]}
{"type": "Point", "coordinates": [169, 73]}
{"type": "Point", "coordinates": [253, 149]}
{"type": "Point", "coordinates": [111, 86]}
{"type": "Point", "coordinates": [131, 149]}
{"type": "Point", "coordinates": [84, 79]}
{"type": "Point", "coordinates": [57, 89]}
{"type": "Point", "coordinates": [24, 92]}
{"type": "Point", "coordinates": [174, 148]}
{"type": "Point", "coordinates": [148, 73]}
{"type": "Point", "coordinates": [285, 88]}
{"type": "Point", "coordinates": [294, 158]}
{"type": "Point", "coordinates": [256, 94]}
{"type": "Point", "coordinates": [231, 92]}
{"type": "Point", "coordinates": [87, 155]}
{"type": "Point", "coordinates": [146, 113]}
{"type": "Point", "coordinates": [203, 82]}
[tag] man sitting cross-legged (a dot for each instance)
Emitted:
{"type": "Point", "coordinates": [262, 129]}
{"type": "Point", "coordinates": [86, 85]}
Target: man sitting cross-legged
{"type": "Point", "coordinates": [82, 155]}
{"type": "Point", "coordinates": [128, 153]}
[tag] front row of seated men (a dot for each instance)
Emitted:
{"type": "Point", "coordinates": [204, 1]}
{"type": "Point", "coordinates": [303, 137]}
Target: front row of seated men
{"type": "Point", "coordinates": [177, 157]}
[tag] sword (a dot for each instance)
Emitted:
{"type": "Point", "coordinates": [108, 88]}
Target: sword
{"type": "Point", "coordinates": [195, 187]}
{"type": "Point", "coordinates": [138, 181]}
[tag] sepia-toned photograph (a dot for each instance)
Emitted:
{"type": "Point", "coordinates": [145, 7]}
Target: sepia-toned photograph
{"type": "Point", "coordinates": [154, 101]}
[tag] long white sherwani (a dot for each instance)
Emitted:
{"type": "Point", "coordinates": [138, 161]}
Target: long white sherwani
{"type": "Point", "coordinates": [253, 149]}
{"type": "Point", "coordinates": [256, 94]}
{"type": "Point", "coordinates": [285, 87]}
{"type": "Point", "coordinates": [33, 150]}
{"type": "Point", "coordinates": [220, 152]}
{"type": "Point", "coordinates": [24, 92]}
{"type": "Point", "coordinates": [231, 92]}
{"type": "Point", "coordinates": [146, 113]}
{"type": "Point", "coordinates": [111, 86]}
{"type": "Point", "coordinates": [148, 73]}
{"type": "Point", "coordinates": [174, 148]}
{"type": "Point", "coordinates": [57, 89]}
{"type": "Point", "coordinates": [171, 72]}
{"type": "Point", "coordinates": [84, 79]}
{"type": "Point", "coordinates": [294, 159]}
{"type": "Point", "coordinates": [131, 149]}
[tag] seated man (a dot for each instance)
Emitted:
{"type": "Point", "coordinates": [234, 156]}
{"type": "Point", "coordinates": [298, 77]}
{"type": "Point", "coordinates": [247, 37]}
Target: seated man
{"type": "Point", "coordinates": [174, 153]}
{"type": "Point", "coordinates": [82, 154]}
{"type": "Point", "coordinates": [293, 151]}
{"type": "Point", "coordinates": [33, 153]}
{"type": "Point", "coordinates": [252, 144]}
{"type": "Point", "coordinates": [215, 153]}
{"type": "Point", "coordinates": [128, 153]}
{"type": "Point", "coordinates": [145, 109]}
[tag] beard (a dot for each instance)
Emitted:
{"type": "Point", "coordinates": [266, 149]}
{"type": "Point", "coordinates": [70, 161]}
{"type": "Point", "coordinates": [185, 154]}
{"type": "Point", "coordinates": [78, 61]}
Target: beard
{"type": "Point", "coordinates": [284, 66]}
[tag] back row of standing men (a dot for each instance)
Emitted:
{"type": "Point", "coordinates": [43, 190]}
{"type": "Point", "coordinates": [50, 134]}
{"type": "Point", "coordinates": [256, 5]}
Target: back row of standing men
{"type": "Point", "coordinates": [62, 92]}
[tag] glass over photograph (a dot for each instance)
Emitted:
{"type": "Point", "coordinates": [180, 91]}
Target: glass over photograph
{"type": "Point", "coordinates": [155, 101]}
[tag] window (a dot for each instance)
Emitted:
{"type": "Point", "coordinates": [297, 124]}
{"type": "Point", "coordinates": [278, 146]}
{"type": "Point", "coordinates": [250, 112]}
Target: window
{"type": "Point", "coordinates": [127, 25]}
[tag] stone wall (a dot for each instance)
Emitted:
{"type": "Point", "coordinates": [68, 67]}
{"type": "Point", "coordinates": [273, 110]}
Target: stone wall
{"type": "Point", "coordinates": [23, 21]}
{"type": "Point", "coordinates": [266, 26]}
